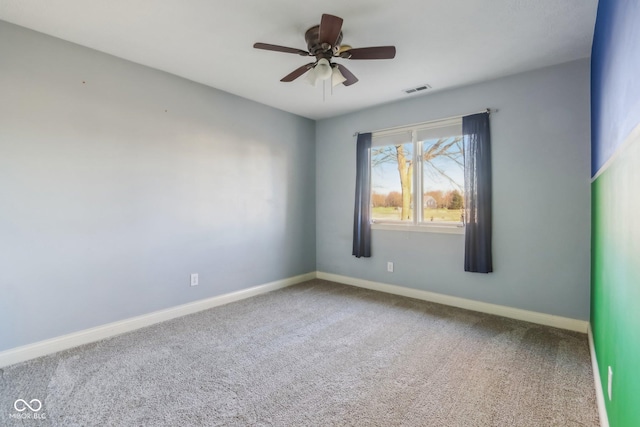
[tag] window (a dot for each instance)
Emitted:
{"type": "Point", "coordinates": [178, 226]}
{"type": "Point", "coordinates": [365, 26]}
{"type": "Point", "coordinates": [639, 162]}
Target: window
{"type": "Point", "coordinates": [436, 185]}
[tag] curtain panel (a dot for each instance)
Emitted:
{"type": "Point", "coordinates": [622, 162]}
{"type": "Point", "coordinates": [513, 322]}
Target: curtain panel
{"type": "Point", "coordinates": [477, 198]}
{"type": "Point", "coordinates": [361, 214]}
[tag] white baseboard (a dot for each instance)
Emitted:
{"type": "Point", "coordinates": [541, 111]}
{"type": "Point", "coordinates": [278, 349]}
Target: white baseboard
{"type": "Point", "coordinates": [41, 348]}
{"type": "Point", "coordinates": [602, 409]}
{"type": "Point", "coordinates": [500, 310]}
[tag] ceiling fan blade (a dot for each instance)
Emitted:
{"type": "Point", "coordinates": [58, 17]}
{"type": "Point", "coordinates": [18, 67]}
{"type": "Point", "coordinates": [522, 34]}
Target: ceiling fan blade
{"type": "Point", "coordinates": [351, 79]}
{"type": "Point", "coordinates": [277, 48]}
{"type": "Point", "coordinates": [378, 52]}
{"type": "Point", "coordinates": [330, 27]}
{"type": "Point", "coordinates": [297, 72]}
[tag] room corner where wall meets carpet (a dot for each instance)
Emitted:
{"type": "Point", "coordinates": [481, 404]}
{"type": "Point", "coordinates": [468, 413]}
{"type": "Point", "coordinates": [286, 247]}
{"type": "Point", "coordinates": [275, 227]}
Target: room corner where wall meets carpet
{"type": "Point", "coordinates": [318, 353]}
{"type": "Point", "coordinates": [41, 348]}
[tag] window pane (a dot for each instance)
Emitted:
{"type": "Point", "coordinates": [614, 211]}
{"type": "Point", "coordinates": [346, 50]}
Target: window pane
{"type": "Point", "coordinates": [443, 131]}
{"type": "Point", "coordinates": [443, 177]}
{"type": "Point", "coordinates": [392, 138]}
{"type": "Point", "coordinates": [392, 182]}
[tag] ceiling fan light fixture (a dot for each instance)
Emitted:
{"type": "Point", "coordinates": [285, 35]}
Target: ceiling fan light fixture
{"type": "Point", "coordinates": [337, 77]}
{"type": "Point", "coordinates": [312, 79]}
{"type": "Point", "coordinates": [323, 70]}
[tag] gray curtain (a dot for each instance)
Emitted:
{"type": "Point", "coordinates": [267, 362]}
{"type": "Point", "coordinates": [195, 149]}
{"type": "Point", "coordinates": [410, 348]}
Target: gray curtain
{"type": "Point", "coordinates": [477, 193]}
{"type": "Point", "coordinates": [361, 213]}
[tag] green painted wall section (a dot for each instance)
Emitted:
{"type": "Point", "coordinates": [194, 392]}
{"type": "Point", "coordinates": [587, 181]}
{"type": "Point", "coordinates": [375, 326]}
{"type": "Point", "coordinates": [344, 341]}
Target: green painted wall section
{"type": "Point", "coordinates": [615, 281]}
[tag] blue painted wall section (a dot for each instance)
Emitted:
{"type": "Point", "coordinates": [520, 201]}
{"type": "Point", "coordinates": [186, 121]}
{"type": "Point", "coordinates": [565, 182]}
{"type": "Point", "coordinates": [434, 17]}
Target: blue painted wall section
{"type": "Point", "coordinates": [615, 89]}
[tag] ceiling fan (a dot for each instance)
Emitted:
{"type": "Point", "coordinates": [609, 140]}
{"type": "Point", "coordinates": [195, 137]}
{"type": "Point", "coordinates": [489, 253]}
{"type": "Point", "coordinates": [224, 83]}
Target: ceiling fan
{"type": "Point", "coordinates": [324, 42]}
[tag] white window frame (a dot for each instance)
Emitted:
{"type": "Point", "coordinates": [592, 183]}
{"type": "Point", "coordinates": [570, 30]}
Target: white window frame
{"type": "Point", "coordinates": [418, 224]}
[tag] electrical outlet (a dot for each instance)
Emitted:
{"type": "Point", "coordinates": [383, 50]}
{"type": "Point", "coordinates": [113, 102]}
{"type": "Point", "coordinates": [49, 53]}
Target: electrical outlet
{"type": "Point", "coordinates": [609, 381]}
{"type": "Point", "coordinates": [390, 267]}
{"type": "Point", "coordinates": [194, 279]}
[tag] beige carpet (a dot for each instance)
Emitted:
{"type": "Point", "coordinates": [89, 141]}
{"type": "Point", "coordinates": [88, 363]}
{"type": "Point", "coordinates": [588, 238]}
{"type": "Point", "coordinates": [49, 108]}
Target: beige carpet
{"type": "Point", "coordinates": [316, 354]}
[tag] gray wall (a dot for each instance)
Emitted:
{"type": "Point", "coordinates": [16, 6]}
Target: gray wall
{"type": "Point", "coordinates": [540, 142]}
{"type": "Point", "coordinates": [117, 181]}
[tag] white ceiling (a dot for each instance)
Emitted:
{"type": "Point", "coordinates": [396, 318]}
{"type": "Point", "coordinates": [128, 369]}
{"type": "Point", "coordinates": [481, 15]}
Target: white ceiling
{"type": "Point", "coordinates": [444, 43]}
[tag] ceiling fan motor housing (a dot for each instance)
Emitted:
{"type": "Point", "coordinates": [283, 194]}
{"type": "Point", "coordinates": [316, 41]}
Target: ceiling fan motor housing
{"type": "Point", "coordinates": [315, 48]}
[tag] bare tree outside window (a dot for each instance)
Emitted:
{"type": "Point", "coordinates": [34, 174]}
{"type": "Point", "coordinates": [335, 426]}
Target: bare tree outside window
{"type": "Point", "coordinates": [400, 158]}
{"type": "Point", "coordinates": [442, 180]}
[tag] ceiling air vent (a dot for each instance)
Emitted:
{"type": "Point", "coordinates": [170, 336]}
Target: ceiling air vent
{"type": "Point", "coordinates": [417, 89]}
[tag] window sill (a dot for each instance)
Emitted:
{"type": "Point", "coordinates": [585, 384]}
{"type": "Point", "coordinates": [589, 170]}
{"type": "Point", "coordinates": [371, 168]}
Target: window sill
{"type": "Point", "coordinates": [444, 228]}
